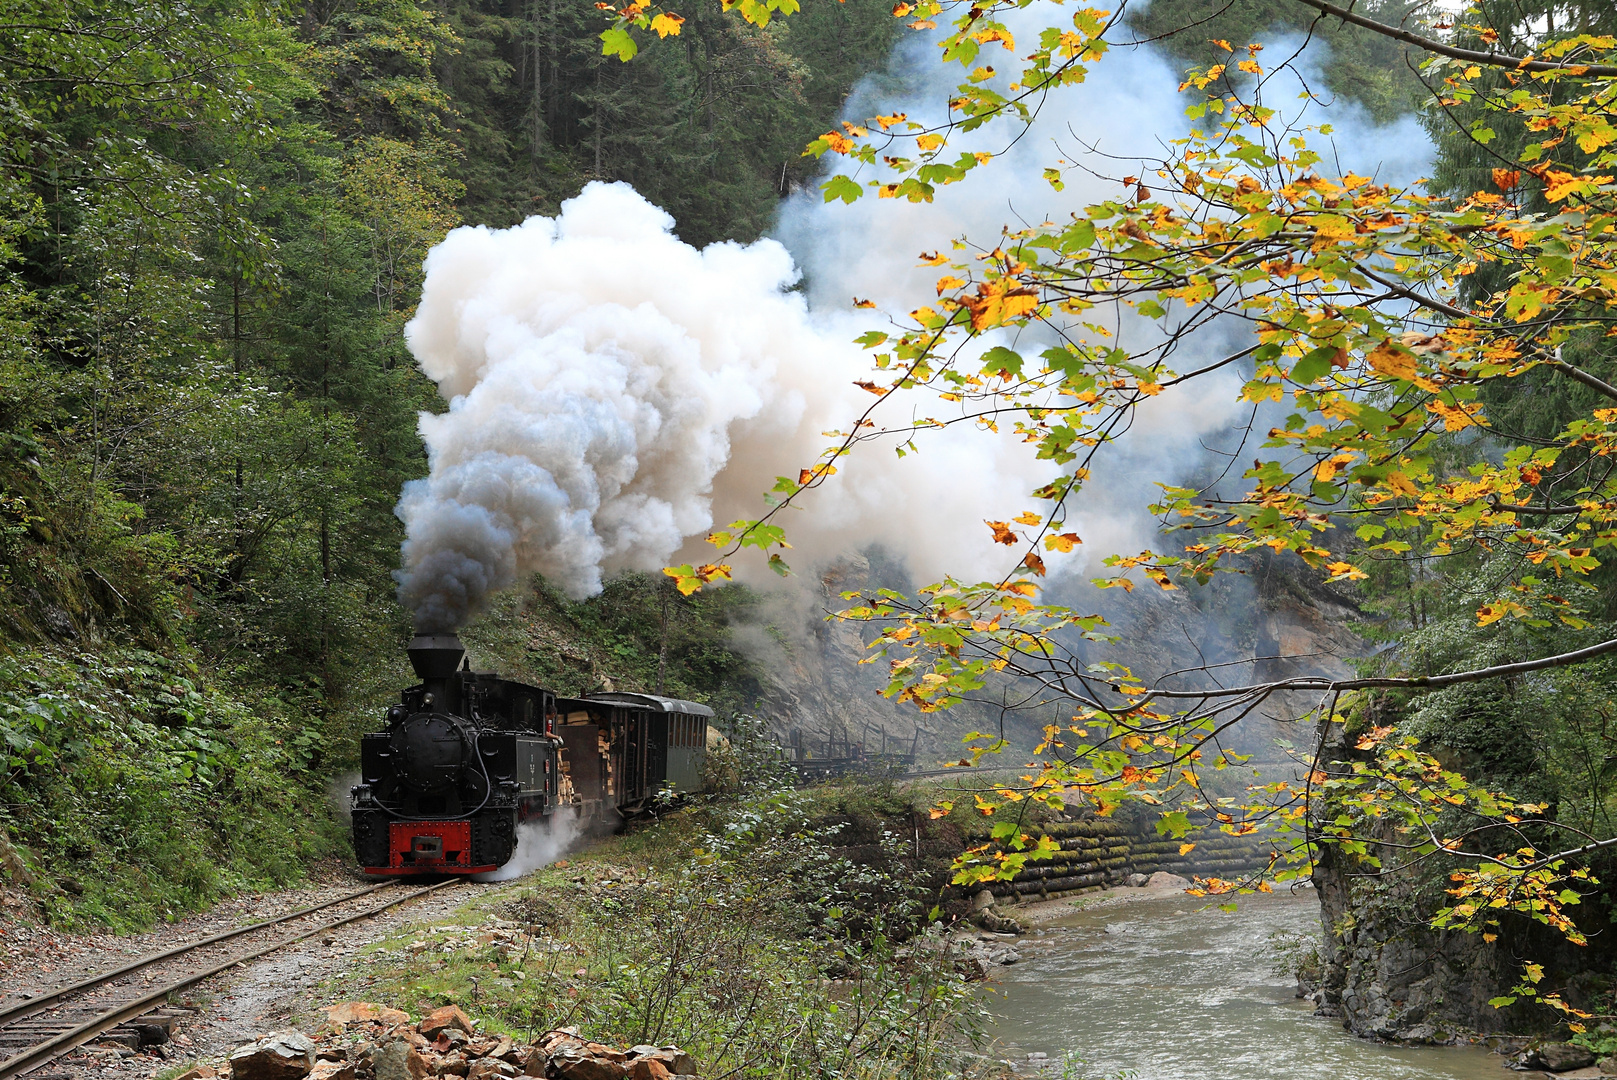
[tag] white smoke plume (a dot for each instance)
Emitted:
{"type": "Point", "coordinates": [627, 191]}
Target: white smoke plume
{"type": "Point", "coordinates": [615, 393]}
{"type": "Point", "coordinates": [539, 843]}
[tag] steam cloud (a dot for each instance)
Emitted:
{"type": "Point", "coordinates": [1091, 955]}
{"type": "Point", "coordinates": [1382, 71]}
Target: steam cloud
{"type": "Point", "coordinates": [614, 393]}
{"type": "Point", "coordinates": [539, 843]}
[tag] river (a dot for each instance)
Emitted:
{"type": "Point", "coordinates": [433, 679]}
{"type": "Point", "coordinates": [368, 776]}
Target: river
{"type": "Point", "coordinates": [1173, 991]}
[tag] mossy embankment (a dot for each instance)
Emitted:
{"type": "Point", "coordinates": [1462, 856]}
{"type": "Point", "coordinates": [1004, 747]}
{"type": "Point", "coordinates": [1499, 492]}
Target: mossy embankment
{"type": "Point", "coordinates": [144, 782]}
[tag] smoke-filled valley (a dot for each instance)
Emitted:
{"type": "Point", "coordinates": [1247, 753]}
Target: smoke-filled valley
{"type": "Point", "coordinates": [380, 383]}
{"type": "Point", "coordinates": [615, 394]}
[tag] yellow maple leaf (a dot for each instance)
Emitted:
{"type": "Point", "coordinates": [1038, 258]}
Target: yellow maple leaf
{"type": "Point", "coordinates": [1061, 542]}
{"type": "Point", "coordinates": [1402, 484]}
{"type": "Point", "coordinates": [667, 24]}
{"type": "Point", "coordinates": [1186, 849]}
{"type": "Point", "coordinates": [1326, 470]}
{"type": "Point", "coordinates": [947, 282]}
{"type": "Point", "coordinates": [999, 302]}
{"type": "Point", "coordinates": [1028, 517]}
{"type": "Point", "coordinates": [1391, 361]}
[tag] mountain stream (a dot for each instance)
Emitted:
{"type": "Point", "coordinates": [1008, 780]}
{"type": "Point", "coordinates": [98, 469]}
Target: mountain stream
{"type": "Point", "coordinates": [1165, 989]}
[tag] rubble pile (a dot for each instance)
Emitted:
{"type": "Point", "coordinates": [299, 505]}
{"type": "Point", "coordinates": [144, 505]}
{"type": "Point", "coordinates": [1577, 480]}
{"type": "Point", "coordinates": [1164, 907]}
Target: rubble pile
{"type": "Point", "coordinates": [364, 1041]}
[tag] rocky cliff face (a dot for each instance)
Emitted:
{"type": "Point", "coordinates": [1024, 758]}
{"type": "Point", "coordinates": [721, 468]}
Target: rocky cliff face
{"type": "Point", "coordinates": [820, 691]}
{"type": "Point", "coordinates": [1388, 975]}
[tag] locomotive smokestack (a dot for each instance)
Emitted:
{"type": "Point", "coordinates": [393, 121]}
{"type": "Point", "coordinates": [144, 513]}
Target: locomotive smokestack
{"type": "Point", "coordinates": [436, 658]}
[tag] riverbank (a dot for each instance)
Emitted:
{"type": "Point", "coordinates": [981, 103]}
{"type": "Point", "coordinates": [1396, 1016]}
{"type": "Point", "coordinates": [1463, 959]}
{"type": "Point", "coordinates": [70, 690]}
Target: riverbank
{"type": "Point", "coordinates": [1166, 985]}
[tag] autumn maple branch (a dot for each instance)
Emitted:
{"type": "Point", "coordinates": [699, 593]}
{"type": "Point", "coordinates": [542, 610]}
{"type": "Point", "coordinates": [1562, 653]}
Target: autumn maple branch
{"type": "Point", "coordinates": [1472, 56]}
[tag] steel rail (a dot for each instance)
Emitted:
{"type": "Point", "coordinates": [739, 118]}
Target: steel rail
{"type": "Point", "coordinates": [73, 1038]}
{"type": "Point", "coordinates": [46, 1000]}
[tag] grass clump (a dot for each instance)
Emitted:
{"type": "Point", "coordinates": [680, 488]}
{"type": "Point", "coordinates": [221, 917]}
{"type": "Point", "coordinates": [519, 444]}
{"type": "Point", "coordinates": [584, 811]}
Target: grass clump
{"type": "Point", "coordinates": [739, 933]}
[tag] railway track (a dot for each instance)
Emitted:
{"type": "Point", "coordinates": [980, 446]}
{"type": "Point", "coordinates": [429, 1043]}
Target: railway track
{"type": "Point", "coordinates": [126, 998]}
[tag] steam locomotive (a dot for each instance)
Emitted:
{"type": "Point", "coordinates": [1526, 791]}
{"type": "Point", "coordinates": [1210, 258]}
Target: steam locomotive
{"type": "Point", "coordinates": [468, 756]}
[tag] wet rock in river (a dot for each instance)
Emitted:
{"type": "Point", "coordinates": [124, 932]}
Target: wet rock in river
{"type": "Point", "coordinates": [1555, 1057]}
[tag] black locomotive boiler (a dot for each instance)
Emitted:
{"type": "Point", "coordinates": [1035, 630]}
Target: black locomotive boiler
{"type": "Point", "coordinates": [468, 756]}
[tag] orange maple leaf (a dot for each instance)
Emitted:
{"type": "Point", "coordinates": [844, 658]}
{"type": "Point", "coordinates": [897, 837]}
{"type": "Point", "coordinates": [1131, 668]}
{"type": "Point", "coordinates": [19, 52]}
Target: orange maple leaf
{"type": "Point", "coordinates": [1002, 532]}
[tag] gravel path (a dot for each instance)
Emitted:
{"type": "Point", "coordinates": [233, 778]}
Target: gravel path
{"type": "Point", "coordinates": [284, 989]}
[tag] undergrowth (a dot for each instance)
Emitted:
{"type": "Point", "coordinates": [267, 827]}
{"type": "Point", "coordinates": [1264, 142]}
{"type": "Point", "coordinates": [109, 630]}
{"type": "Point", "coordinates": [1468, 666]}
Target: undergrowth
{"type": "Point", "coordinates": [136, 789]}
{"type": "Point", "coordinates": [741, 933]}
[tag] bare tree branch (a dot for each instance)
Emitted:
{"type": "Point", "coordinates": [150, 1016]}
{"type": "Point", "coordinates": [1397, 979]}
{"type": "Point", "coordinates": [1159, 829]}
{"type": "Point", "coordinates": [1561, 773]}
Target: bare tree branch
{"type": "Point", "coordinates": [1473, 56]}
{"type": "Point", "coordinates": [1427, 682]}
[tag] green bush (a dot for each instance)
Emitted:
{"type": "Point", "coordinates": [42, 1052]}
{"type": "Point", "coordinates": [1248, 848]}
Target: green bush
{"type": "Point", "coordinates": [139, 790]}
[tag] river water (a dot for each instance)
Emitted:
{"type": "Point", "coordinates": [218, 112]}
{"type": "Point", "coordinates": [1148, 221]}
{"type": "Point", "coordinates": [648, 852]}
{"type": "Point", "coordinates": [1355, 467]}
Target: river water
{"type": "Point", "coordinates": [1175, 991]}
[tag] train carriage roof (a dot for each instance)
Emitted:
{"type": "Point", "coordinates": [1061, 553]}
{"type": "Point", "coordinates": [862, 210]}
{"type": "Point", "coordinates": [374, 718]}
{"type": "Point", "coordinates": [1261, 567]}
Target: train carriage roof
{"type": "Point", "coordinates": [653, 703]}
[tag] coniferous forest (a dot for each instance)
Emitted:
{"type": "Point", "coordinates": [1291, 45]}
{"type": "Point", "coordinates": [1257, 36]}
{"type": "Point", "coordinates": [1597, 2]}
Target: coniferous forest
{"type": "Point", "coordinates": [212, 224]}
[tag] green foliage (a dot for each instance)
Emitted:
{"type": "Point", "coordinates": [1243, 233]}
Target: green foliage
{"type": "Point", "coordinates": [721, 939]}
{"type": "Point", "coordinates": [640, 635]}
{"type": "Point", "coordinates": [141, 790]}
{"type": "Point", "coordinates": [708, 123]}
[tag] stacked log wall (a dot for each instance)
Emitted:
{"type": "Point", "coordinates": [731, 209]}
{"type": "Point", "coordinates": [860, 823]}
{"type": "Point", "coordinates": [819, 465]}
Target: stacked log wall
{"type": "Point", "coordinates": [1101, 852]}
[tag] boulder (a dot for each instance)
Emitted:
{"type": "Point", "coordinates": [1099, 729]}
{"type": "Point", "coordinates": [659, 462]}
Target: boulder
{"type": "Point", "coordinates": [534, 1060]}
{"type": "Point", "coordinates": [1164, 880]}
{"type": "Point", "coordinates": [576, 1063]}
{"type": "Point", "coordinates": [490, 1068]}
{"type": "Point", "coordinates": [557, 1042]}
{"type": "Point", "coordinates": [983, 899]}
{"type": "Point", "coordinates": [398, 1060]}
{"type": "Point", "coordinates": [354, 1012]}
{"type": "Point", "coordinates": [671, 1056]}
{"type": "Point", "coordinates": [453, 1064]}
{"type": "Point", "coordinates": [448, 1017]}
{"type": "Point", "coordinates": [649, 1069]}
{"type": "Point", "coordinates": [1607, 1065]}
{"type": "Point", "coordinates": [281, 1055]}
{"type": "Point", "coordinates": [1136, 881]}
{"type": "Point", "coordinates": [332, 1070]}
{"type": "Point", "coordinates": [203, 1072]}
{"type": "Point", "coordinates": [1558, 1057]}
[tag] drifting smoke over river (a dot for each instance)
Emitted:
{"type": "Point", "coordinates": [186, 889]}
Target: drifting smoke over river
{"type": "Point", "coordinates": [615, 393]}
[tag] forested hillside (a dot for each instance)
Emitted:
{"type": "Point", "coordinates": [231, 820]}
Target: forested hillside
{"type": "Point", "coordinates": [212, 221]}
